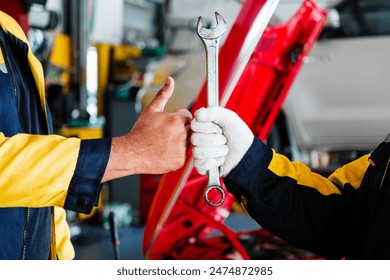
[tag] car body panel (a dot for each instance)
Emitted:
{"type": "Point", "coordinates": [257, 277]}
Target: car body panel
{"type": "Point", "coordinates": [341, 97]}
{"type": "Point", "coordinates": [340, 100]}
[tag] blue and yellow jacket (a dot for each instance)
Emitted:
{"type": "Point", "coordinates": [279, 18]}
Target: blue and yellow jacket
{"type": "Point", "coordinates": [346, 215]}
{"type": "Point", "coordinates": [41, 174]}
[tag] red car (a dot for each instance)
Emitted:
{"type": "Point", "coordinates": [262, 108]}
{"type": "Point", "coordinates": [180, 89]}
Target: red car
{"type": "Point", "coordinates": [254, 77]}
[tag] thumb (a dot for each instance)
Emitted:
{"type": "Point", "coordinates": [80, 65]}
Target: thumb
{"type": "Point", "coordinates": [160, 100]}
{"type": "Point", "coordinates": [217, 115]}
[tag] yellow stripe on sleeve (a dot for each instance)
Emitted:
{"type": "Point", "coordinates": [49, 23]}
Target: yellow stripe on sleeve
{"type": "Point", "coordinates": [302, 174]}
{"type": "Point", "coordinates": [1, 57]}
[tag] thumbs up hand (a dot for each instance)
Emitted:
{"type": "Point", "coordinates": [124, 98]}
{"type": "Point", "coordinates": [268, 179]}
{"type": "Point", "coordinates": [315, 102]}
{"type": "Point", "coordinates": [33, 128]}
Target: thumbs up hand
{"type": "Point", "coordinates": [156, 144]}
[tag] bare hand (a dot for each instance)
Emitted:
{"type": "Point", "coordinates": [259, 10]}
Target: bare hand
{"type": "Point", "coordinates": [157, 143]}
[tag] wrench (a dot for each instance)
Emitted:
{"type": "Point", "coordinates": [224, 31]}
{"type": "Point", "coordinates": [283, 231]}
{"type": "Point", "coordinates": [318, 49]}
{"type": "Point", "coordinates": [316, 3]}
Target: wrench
{"type": "Point", "coordinates": [211, 38]}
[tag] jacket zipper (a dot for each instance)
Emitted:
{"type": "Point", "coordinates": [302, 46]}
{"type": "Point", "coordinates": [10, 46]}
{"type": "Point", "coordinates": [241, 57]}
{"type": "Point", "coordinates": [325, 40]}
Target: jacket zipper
{"type": "Point", "coordinates": [26, 220]}
{"type": "Point", "coordinates": [384, 174]}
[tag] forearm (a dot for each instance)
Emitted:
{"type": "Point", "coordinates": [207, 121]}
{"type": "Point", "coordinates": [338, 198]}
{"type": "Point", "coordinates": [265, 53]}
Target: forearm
{"type": "Point", "coordinates": [289, 200]}
{"type": "Point", "coordinates": [126, 158]}
{"type": "Point", "coordinates": [120, 162]}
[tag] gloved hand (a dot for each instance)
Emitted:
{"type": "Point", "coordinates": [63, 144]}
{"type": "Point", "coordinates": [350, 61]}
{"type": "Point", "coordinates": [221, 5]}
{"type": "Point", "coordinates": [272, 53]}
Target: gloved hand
{"type": "Point", "coordinates": [221, 139]}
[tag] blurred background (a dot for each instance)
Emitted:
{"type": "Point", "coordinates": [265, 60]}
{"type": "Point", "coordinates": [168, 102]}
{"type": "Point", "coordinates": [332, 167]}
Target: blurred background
{"type": "Point", "coordinates": [105, 60]}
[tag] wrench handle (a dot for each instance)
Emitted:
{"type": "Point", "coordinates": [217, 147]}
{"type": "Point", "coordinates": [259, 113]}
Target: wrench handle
{"type": "Point", "coordinates": [213, 177]}
{"type": "Point", "coordinates": [212, 47]}
{"type": "Point", "coordinates": [212, 72]}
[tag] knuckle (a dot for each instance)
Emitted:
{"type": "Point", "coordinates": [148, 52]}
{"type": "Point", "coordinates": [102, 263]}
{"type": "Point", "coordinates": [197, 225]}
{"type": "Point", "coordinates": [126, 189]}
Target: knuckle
{"type": "Point", "coordinates": [177, 119]}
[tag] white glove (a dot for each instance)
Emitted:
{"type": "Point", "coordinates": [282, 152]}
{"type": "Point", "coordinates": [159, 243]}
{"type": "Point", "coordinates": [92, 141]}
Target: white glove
{"type": "Point", "coordinates": [221, 139]}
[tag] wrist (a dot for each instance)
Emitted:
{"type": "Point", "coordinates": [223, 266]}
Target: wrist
{"type": "Point", "coordinates": [121, 161]}
{"type": "Point", "coordinates": [237, 152]}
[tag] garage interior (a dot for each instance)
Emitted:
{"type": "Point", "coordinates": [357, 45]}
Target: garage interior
{"type": "Point", "coordinates": [105, 60]}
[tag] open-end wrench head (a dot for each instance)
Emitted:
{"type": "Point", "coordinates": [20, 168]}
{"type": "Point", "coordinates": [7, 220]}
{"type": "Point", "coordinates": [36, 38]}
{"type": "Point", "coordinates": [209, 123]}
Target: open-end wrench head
{"type": "Point", "coordinates": [213, 33]}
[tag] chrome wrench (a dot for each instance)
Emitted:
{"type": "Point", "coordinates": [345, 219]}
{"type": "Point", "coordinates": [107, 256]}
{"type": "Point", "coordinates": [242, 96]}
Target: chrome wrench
{"type": "Point", "coordinates": [211, 38]}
